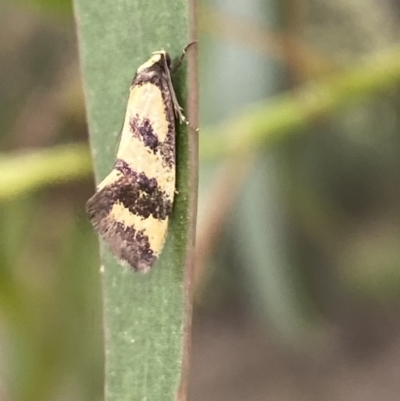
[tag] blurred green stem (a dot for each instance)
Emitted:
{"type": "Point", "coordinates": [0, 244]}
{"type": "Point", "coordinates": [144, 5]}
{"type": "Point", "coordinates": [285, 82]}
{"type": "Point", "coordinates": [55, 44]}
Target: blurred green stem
{"type": "Point", "coordinates": [294, 111]}
{"type": "Point", "coordinates": [268, 120]}
{"type": "Point", "coordinates": [24, 172]}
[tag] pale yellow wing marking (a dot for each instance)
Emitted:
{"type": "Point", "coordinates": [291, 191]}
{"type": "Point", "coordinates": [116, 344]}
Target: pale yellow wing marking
{"type": "Point", "coordinates": [146, 101]}
{"type": "Point", "coordinates": [155, 229]}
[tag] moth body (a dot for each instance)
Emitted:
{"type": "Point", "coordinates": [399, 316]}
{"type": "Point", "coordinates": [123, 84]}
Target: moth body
{"type": "Point", "coordinates": [131, 206]}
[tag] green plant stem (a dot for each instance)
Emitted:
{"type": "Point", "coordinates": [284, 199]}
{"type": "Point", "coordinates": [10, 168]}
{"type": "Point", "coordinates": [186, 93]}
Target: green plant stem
{"type": "Point", "coordinates": [21, 173]}
{"type": "Point", "coordinates": [255, 126]}
{"type": "Point", "coordinates": [292, 112]}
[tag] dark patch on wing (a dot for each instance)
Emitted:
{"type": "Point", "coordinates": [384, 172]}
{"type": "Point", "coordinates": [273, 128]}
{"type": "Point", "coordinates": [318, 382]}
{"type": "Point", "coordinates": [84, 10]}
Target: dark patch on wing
{"type": "Point", "coordinates": [142, 129]}
{"type": "Point", "coordinates": [167, 148]}
{"type": "Point", "coordinates": [141, 196]}
{"type": "Point", "coordinates": [126, 243]}
{"type": "Point", "coordinates": [123, 167]}
{"type": "Point", "coordinates": [138, 193]}
{"type": "Point", "coordinates": [135, 249]}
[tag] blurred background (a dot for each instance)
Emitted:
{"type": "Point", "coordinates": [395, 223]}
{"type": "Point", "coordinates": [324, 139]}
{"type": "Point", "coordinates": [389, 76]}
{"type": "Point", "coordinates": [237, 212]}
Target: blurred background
{"type": "Point", "coordinates": [298, 277]}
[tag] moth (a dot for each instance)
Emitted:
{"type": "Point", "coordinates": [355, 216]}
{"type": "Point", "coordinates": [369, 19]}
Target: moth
{"type": "Point", "coordinates": [131, 206]}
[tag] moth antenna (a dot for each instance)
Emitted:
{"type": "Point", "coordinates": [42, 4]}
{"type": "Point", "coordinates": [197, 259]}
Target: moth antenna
{"type": "Point", "coordinates": [182, 56]}
{"type": "Point", "coordinates": [178, 109]}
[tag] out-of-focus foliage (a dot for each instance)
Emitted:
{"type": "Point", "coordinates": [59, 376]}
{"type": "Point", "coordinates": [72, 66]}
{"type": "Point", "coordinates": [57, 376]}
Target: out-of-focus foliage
{"type": "Point", "coordinates": [310, 222]}
{"type": "Point", "coordinates": [50, 316]}
{"type": "Point", "coordinates": [54, 7]}
{"type": "Point", "coordinates": [310, 242]}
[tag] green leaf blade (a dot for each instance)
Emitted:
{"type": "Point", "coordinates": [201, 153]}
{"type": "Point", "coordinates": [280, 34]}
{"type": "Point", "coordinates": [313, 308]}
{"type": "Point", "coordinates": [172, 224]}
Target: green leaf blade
{"type": "Point", "coordinates": [144, 314]}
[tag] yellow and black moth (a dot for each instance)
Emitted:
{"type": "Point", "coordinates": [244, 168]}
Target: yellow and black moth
{"type": "Point", "coordinates": [131, 206]}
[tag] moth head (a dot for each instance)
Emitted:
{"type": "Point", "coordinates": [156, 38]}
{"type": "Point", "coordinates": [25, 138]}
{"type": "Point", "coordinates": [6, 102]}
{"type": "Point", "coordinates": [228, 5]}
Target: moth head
{"type": "Point", "coordinates": [163, 56]}
{"type": "Point", "coordinates": [158, 57]}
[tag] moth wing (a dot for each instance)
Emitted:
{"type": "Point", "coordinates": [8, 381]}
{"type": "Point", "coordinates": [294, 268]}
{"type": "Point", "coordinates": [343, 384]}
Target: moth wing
{"type": "Point", "coordinates": [134, 233]}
